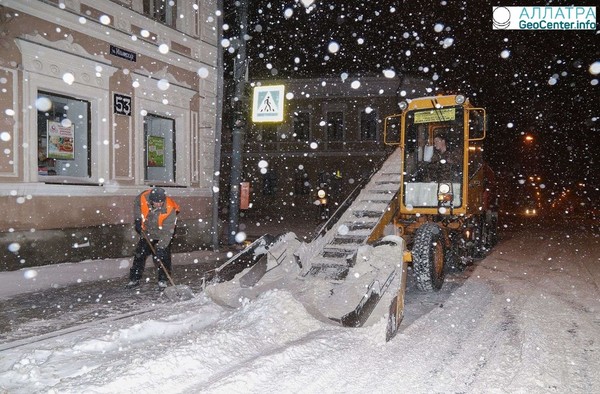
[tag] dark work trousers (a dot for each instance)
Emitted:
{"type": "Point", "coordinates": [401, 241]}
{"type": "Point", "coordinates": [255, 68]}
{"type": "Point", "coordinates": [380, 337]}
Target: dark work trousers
{"type": "Point", "coordinates": [142, 251]}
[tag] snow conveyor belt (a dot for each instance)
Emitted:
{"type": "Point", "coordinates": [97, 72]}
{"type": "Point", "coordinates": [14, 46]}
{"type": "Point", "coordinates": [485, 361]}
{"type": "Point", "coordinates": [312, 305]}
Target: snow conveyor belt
{"type": "Point", "coordinates": [339, 276]}
{"type": "Point", "coordinates": [338, 247]}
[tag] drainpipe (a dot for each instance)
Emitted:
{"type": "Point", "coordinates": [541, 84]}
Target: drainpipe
{"type": "Point", "coordinates": [218, 130]}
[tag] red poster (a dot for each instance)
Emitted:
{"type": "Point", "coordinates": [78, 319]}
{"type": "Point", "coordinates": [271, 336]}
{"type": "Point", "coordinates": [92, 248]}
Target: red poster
{"type": "Point", "coordinates": [245, 195]}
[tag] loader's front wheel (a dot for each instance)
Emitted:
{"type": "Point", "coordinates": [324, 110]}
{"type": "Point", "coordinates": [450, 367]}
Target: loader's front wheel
{"type": "Point", "coordinates": [428, 257]}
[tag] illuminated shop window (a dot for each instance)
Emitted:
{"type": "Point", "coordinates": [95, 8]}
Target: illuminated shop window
{"type": "Point", "coordinates": [63, 125]}
{"type": "Point", "coordinates": [159, 149]}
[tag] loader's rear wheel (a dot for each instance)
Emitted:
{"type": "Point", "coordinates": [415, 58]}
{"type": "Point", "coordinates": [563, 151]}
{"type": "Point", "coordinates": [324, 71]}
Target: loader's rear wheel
{"type": "Point", "coordinates": [490, 233]}
{"type": "Point", "coordinates": [480, 235]}
{"type": "Point", "coordinates": [428, 257]}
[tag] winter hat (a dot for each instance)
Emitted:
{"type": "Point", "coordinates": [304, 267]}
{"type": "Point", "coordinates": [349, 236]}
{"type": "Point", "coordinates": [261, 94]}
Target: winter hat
{"type": "Point", "coordinates": [158, 195]}
{"type": "Point", "coordinates": [441, 134]}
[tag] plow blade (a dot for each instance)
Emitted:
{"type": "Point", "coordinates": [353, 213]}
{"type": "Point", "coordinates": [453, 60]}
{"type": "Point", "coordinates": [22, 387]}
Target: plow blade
{"type": "Point", "coordinates": [255, 273]}
{"type": "Point", "coordinates": [396, 312]}
{"type": "Point", "coordinates": [245, 259]}
{"type": "Point", "coordinates": [275, 254]}
{"type": "Point", "coordinates": [390, 294]}
{"type": "Point", "coordinates": [379, 269]}
{"type": "Point", "coordinates": [266, 263]}
{"type": "Point", "coordinates": [359, 316]}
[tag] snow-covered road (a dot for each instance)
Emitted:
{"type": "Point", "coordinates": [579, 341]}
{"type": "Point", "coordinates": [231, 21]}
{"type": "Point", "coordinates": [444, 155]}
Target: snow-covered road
{"type": "Point", "coordinates": [525, 319]}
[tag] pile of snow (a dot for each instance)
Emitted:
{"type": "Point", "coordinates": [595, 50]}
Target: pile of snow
{"type": "Point", "coordinates": [193, 338]}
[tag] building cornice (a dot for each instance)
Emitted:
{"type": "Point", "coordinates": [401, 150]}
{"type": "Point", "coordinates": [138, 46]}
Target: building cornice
{"type": "Point", "coordinates": [92, 28]}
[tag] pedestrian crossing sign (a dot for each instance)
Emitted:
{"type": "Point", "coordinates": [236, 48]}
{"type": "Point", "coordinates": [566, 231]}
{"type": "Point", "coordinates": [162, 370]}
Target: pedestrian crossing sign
{"type": "Point", "coordinates": [267, 104]}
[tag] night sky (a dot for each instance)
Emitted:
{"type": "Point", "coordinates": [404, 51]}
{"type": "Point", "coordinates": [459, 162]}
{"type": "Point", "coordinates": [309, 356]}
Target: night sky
{"type": "Point", "coordinates": [535, 82]}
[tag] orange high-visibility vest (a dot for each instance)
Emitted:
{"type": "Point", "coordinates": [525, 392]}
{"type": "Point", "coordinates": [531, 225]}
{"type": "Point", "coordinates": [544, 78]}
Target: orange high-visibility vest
{"type": "Point", "coordinates": [145, 208]}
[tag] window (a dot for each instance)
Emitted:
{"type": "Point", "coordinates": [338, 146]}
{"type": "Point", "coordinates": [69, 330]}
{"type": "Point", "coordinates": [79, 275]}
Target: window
{"type": "Point", "coordinates": [268, 132]}
{"type": "Point", "coordinates": [335, 126]}
{"type": "Point", "coordinates": [63, 137]}
{"type": "Point", "coordinates": [269, 183]}
{"type": "Point", "coordinates": [433, 154]}
{"type": "Point", "coordinates": [301, 126]}
{"type": "Point", "coordinates": [368, 125]}
{"type": "Point", "coordinates": [159, 150]}
{"type": "Point", "coordinates": [476, 123]}
{"type": "Point", "coordinates": [164, 11]}
{"type": "Point", "coordinates": [301, 181]}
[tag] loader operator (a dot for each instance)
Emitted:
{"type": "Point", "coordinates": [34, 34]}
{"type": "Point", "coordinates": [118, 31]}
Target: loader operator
{"type": "Point", "coordinates": [155, 219]}
{"type": "Point", "coordinates": [445, 163]}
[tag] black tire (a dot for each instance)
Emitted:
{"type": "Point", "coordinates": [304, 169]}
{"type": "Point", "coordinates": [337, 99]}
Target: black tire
{"type": "Point", "coordinates": [428, 257]}
{"type": "Point", "coordinates": [452, 263]}
{"type": "Point", "coordinates": [480, 237]}
{"type": "Point", "coordinates": [491, 232]}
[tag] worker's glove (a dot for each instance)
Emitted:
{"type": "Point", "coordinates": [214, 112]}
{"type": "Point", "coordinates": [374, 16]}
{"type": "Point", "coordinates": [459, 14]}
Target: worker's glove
{"type": "Point", "coordinates": [138, 226]}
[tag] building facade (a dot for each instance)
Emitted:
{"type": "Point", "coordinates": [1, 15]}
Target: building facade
{"type": "Point", "coordinates": [332, 136]}
{"type": "Point", "coordinates": [101, 99]}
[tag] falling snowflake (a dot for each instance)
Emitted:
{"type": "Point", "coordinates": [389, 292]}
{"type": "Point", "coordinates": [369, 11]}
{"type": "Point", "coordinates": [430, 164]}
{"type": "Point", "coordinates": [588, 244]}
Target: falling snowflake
{"type": "Point", "coordinates": [163, 48]}
{"type": "Point", "coordinates": [333, 47]}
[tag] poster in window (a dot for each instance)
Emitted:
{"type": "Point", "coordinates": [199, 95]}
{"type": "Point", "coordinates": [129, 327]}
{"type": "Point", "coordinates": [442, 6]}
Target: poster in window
{"type": "Point", "coordinates": [156, 151]}
{"type": "Point", "coordinates": [245, 195]}
{"type": "Point", "coordinates": [60, 141]}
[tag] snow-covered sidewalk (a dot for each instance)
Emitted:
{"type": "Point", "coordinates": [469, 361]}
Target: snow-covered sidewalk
{"type": "Point", "coordinates": [33, 279]}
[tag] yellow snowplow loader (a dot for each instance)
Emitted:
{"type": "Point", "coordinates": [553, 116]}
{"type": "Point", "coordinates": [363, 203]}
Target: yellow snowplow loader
{"type": "Point", "coordinates": [431, 204]}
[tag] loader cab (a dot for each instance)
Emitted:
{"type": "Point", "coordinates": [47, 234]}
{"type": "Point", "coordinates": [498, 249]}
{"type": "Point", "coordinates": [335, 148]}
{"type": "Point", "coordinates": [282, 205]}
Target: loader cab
{"type": "Point", "coordinates": [436, 135]}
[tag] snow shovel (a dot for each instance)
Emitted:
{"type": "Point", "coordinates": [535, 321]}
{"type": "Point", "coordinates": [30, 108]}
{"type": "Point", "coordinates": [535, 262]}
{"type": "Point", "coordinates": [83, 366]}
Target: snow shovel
{"type": "Point", "coordinates": [175, 292]}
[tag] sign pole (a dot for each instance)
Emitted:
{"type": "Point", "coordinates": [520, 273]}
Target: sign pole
{"type": "Point", "coordinates": [238, 126]}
